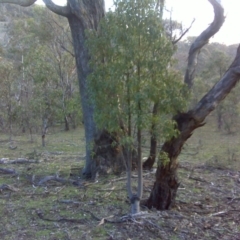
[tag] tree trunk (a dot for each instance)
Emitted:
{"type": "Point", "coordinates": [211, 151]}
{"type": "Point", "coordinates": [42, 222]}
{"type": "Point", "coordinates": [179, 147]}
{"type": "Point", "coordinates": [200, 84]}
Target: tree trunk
{"type": "Point", "coordinates": [166, 184]}
{"type": "Point", "coordinates": [219, 118]}
{"type": "Point", "coordinates": [44, 131]}
{"type": "Point", "coordinates": [135, 204]}
{"type": "Point", "coordinates": [66, 123]}
{"type": "Point", "coordinates": [85, 16]}
{"type": "Point", "coordinates": [82, 15]}
{"type": "Point", "coordinates": [148, 164]}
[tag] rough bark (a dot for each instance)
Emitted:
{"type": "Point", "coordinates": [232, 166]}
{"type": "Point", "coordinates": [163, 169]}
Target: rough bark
{"type": "Point", "coordinates": [107, 158]}
{"type": "Point", "coordinates": [148, 164]}
{"type": "Point", "coordinates": [85, 15]}
{"type": "Point", "coordinates": [166, 184]}
{"type": "Point", "coordinates": [202, 40]}
{"type": "Point", "coordinates": [82, 15]}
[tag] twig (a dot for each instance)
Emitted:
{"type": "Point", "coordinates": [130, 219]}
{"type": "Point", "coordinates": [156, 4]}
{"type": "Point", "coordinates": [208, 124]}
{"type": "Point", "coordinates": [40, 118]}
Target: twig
{"type": "Point", "coordinates": [177, 40]}
{"type": "Point", "coordinates": [101, 219]}
{"type": "Point", "coordinates": [233, 199]}
{"type": "Point", "coordinates": [218, 213]}
{"type": "Point", "coordinates": [198, 179]}
{"type": "Point", "coordinates": [69, 201]}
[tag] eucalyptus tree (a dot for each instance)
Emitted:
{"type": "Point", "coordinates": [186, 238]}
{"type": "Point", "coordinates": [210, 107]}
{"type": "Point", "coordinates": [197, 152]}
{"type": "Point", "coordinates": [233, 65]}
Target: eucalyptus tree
{"type": "Point", "coordinates": [131, 59]}
{"type": "Point", "coordinates": [227, 112]}
{"type": "Point", "coordinates": [85, 15]}
{"type": "Point", "coordinates": [47, 79]}
{"type": "Point", "coordinates": [81, 15]}
{"type": "Point", "coordinates": [8, 97]}
{"type": "Point", "coordinates": [60, 56]}
{"type": "Point", "coordinates": [165, 187]}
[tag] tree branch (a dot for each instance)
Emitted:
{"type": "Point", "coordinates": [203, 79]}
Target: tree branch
{"type": "Point", "coordinates": [8, 171]}
{"type": "Point", "coordinates": [202, 40]}
{"type": "Point", "coordinates": [219, 91]}
{"type": "Point", "coordinates": [60, 10]}
{"type": "Point", "coordinates": [183, 34]}
{"type": "Point", "coordinates": [23, 3]}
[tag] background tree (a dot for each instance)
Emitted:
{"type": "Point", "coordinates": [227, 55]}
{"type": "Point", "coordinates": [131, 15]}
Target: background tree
{"type": "Point", "coordinates": [46, 73]}
{"type": "Point", "coordinates": [165, 187]}
{"type": "Point", "coordinates": [83, 15]}
{"type": "Point", "coordinates": [8, 95]}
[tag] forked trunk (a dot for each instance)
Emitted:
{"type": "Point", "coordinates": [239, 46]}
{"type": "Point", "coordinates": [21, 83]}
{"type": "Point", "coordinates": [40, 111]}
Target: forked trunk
{"type": "Point", "coordinates": [165, 187]}
{"type": "Point", "coordinates": [166, 184]}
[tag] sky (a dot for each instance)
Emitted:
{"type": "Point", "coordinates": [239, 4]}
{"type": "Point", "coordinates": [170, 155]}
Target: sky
{"type": "Point", "coordinates": [201, 10]}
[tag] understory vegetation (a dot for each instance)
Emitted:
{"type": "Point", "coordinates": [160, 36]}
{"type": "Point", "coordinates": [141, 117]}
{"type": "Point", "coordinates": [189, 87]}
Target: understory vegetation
{"type": "Point", "coordinates": [151, 113]}
{"type": "Point", "coordinates": [37, 203]}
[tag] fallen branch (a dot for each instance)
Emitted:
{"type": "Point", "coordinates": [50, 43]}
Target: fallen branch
{"type": "Point", "coordinates": [58, 179]}
{"type": "Point", "coordinates": [8, 171]}
{"type": "Point", "coordinates": [198, 179]}
{"type": "Point", "coordinates": [69, 201]}
{"type": "Point", "coordinates": [8, 187]}
{"type": "Point", "coordinates": [17, 161]}
{"type": "Point", "coordinates": [218, 213]}
{"type": "Point", "coordinates": [40, 215]}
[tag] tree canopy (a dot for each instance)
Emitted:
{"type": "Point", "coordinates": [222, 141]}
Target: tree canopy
{"type": "Point", "coordinates": [131, 58]}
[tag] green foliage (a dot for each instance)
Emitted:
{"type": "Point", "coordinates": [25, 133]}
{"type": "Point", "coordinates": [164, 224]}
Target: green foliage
{"type": "Point", "coordinates": [131, 56]}
{"type": "Point", "coordinates": [8, 93]}
{"type": "Point", "coordinates": [45, 76]}
{"type": "Point", "coordinates": [163, 158]}
{"type": "Point", "coordinates": [214, 62]}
